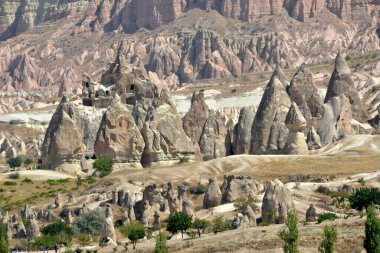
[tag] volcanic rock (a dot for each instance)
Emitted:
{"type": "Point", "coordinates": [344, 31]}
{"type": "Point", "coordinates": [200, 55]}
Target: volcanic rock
{"type": "Point", "coordinates": [336, 121]}
{"type": "Point", "coordinates": [277, 200]}
{"type": "Point", "coordinates": [119, 138]}
{"type": "Point", "coordinates": [213, 195]}
{"type": "Point", "coordinates": [305, 94]}
{"type": "Point", "coordinates": [296, 124]}
{"type": "Point", "coordinates": [195, 118]}
{"type": "Point", "coordinates": [341, 83]}
{"type": "Point", "coordinates": [268, 131]}
{"type": "Point", "coordinates": [242, 131]}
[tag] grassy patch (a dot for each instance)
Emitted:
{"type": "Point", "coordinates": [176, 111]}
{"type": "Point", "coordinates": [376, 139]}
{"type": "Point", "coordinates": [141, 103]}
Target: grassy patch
{"type": "Point", "coordinates": [9, 183]}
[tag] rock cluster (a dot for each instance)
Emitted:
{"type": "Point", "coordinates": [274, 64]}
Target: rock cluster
{"type": "Point", "coordinates": [277, 202]}
{"type": "Point", "coordinates": [146, 132]}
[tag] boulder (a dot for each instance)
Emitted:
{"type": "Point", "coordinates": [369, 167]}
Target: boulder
{"type": "Point", "coordinates": [277, 201]}
{"type": "Point", "coordinates": [250, 214]}
{"type": "Point", "coordinates": [313, 140]}
{"type": "Point", "coordinates": [341, 83]}
{"type": "Point", "coordinates": [336, 121]}
{"type": "Point", "coordinates": [119, 137]}
{"type": "Point", "coordinates": [311, 214]}
{"type": "Point", "coordinates": [213, 195]}
{"type": "Point", "coordinates": [268, 133]}
{"type": "Point", "coordinates": [188, 207]}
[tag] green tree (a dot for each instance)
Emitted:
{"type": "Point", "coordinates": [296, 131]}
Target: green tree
{"type": "Point", "coordinates": [290, 234]}
{"type": "Point", "coordinates": [200, 225]}
{"type": "Point", "coordinates": [364, 197]}
{"type": "Point", "coordinates": [134, 231]}
{"type": "Point", "coordinates": [161, 246]}
{"type": "Point", "coordinates": [4, 244]}
{"type": "Point", "coordinates": [90, 223]}
{"type": "Point", "coordinates": [329, 238]}
{"type": "Point", "coordinates": [372, 231]}
{"type": "Point", "coordinates": [103, 165]}
{"type": "Point", "coordinates": [15, 162]}
{"type": "Point", "coordinates": [179, 221]}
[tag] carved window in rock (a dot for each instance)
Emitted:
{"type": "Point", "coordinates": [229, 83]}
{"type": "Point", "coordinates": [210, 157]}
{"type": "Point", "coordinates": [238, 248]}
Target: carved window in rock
{"type": "Point", "coordinates": [132, 87]}
{"type": "Point", "coordinates": [87, 85]}
{"type": "Point", "coordinates": [107, 93]}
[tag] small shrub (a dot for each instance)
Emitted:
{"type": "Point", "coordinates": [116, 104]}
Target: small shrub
{"type": "Point", "coordinates": [290, 234]}
{"type": "Point", "coordinates": [14, 176]}
{"type": "Point", "coordinates": [326, 216]}
{"type": "Point", "coordinates": [161, 246]}
{"type": "Point", "coordinates": [9, 183]}
{"type": "Point", "coordinates": [184, 159]}
{"type": "Point", "coordinates": [103, 165]}
{"type": "Point", "coordinates": [27, 181]}
{"type": "Point", "coordinates": [15, 162]}
{"type": "Point", "coordinates": [198, 190]}
{"type": "Point", "coordinates": [242, 203]}
{"type": "Point", "coordinates": [28, 161]}
{"type": "Point", "coordinates": [200, 225]}
{"type": "Point", "coordinates": [329, 238]}
{"type": "Point", "coordinates": [220, 224]}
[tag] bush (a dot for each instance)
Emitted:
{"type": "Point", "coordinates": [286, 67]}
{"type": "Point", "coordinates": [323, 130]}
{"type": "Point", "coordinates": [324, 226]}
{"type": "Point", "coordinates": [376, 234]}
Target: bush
{"type": "Point", "coordinates": [15, 162]}
{"type": "Point", "coordinates": [103, 165]}
{"type": "Point", "coordinates": [200, 225]}
{"type": "Point", "coordinates": [329, 238]}
{"type": "Point", "coordinates": [364, 197]}
{"type": "Point", "coordinates": [55, 228]}
{"type": "Point", "coordinates": [91, 223]}
{"type": "Point", "coordinates": [242, 203]}
{"type": "Point", "coordinates": [220, 224]}
{"type": "Point", "coordinates": [134, 231]}
{"type": "Point", "coordinates": [161, 246]}
{"type": "Point", "coordinates": [179, 221]}
{"type": "Point", "coordinates": [290, 234]}
{"type": "Point", "coordinates": [27, 181]}
{"type": "Point", "coordinates": [9, 183]}
{"type": "Point", "coordinates": [44, 241]}
{"type": "Point", "coordinates": [372, 231]}
{"type": "Point", "coordinates": [84, 239]}
{"type": "Point", "coordinates": [198, 190]}
{"type": "Point", "coordinates": [28, 161]}
{"type": "Point", "coordinates": [4, 244]}
{"type": "Point", "coordinates": [183, 159]}
{"type": "Point", "coordinates": [326, 216]}
{"type": "Point", "coordinates": [14, 176]}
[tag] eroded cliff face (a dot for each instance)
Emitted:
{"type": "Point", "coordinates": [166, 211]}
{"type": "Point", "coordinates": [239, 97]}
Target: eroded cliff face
{"type": "Point", "coordinates": [60, 40]}
{"type": "Point", "coordinates": [19, 16]}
